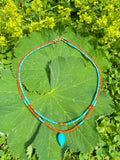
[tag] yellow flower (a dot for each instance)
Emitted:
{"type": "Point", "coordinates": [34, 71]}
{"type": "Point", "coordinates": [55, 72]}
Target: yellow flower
{"type": "Point", "coordinates": [102, 22]}
{"type": "Point", "coordinates": [64, 14]}
{"type": "Point", "coordinates": [86, 18]}
{"type": "Point", "coordinates": [78, 3]}
{"type": "Point", "coordinates": [37, 5]}
{"type": "Point", "coordinates": [79, 12]}
{"type": "Point", "coordinates": [10, 20]}
{"type": "Point", "coordinates": [85, 8]}
{"type": "Point", "coordinates": [28, 10]}
{"type": "Point", "coordinates": [109, 7]}
{"type": "Point", "coordinates": [33, 5]}
{"type": "Point", "coordinates": [95, 3]}
{"type": "Point", "coordinates": [60, 7]}
{"type": "Point", "coordinates": [49, 22]}
{"type": "Point", "coordinates": [36, 26]}
{"type": "Point", "coordinates": [2, 41]}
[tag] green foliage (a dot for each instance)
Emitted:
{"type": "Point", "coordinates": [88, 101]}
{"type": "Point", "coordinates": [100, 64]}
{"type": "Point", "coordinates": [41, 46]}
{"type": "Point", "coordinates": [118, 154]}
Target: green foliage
{"type": "Point", "coordinates": [29, 151]}
{"type": "Point", "coordinates": [4, 153]}
{"type": "Point", "coordinates": [2, 140]}
{"type": "Point", "coordinates": [71, 82]}
{"type": "Point", "coordinates": [10, 25]}
{"type": "Point", "coordinates": [101, 18]}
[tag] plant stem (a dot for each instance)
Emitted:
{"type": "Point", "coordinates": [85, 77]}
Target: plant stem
{"type": "Point", "coordinates": [51, 8]}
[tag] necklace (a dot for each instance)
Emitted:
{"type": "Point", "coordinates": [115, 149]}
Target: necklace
{"type": "Point", "coordinates": [61, 136]}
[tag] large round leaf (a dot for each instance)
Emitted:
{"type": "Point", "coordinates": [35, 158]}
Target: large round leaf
{"type": "Point", "coordinates": [60, 84]}
{"type": "Point", "coordinates": [36, 65]}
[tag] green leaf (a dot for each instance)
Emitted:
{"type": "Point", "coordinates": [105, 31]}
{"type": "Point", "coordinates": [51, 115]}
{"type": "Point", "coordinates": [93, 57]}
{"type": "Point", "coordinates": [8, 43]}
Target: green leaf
{"type": "Point", "coordinates": [2, 139]}
{"type": "Point", "coordinates": [64, 92]}
{"type": "Point", "coordinates": [117, 118]}
{"type": "Point", "coordinates": [29, 151]}
{"type": "Point", "coordinates": [36, 64]}
{"type": "Point", "coordinates": [115, 155]}
{"type": "Point", "coordinates": [101, 151]}
{"type": "Point", "coordinates": [1, 153]}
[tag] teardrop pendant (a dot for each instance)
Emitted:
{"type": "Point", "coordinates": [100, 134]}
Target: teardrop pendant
{"type": "Point", "coordinates": [61, 139]}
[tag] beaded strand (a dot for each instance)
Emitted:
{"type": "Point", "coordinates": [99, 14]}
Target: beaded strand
{"type": "Point", "coordinates": [37, 114]}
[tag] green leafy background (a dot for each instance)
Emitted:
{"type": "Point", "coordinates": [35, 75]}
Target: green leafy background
{"type": "Point", "coordinates": [60, 83]}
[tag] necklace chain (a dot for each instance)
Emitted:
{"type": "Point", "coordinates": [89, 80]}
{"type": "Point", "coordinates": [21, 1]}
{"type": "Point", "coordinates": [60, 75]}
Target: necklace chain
{"type": "Point", "coordinates": [41, 117]}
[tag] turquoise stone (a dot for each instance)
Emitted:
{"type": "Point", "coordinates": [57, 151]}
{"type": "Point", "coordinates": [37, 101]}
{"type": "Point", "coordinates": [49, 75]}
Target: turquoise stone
{"type": "Point", "coordinates": [61, 139]}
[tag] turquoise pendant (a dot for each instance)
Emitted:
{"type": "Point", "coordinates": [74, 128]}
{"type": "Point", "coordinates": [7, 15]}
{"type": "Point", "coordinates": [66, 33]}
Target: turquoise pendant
{"type": "Point", "coordinates": [61, 139]}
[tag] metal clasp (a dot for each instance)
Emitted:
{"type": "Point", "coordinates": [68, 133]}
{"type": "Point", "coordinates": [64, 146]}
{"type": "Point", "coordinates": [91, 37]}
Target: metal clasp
{"type": "Point", "coordinates": [59, 39]}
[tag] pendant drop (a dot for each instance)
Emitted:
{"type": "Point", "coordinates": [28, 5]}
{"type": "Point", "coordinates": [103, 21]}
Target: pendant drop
{"type": "Point", "coordinates": [61, 139]}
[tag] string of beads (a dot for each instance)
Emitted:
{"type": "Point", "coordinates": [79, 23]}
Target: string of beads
{"type": "Point", "coordinates": [39, 116]}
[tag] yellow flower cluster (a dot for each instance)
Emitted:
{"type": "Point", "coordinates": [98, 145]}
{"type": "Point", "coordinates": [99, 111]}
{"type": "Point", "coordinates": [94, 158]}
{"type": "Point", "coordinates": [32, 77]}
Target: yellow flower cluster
{"type": "Point", "coordinates": [10, 21]}
{"type": "Point", "coordinates": [35, 26]}
{"type": "Point", "coordinates": [48, 22]}
{"type": "Point", "coordinates": [42, 20]}
{"type": "Point", "coordinates": [36, 7]}
{"type": "Point", "coordinates": [77, 3]}
{"type": "Point", "coordinates": [101, 16]}
{"type": "Point", "coordinates": [64, 14]}
{"type": "Point", "coordinates": [109, 7]}
{"type": "Point", "coordinates": [95, 3]}
{"type": "Point", "coordinates": [102, 22]}
{"type": "Point", "coordinates": [85, 8]}
{"type": "Point", "coordinates": [2, 41]}
{"type": "Point", "coordinates": [112, 32]}
{"type": "Point", "coordinates": [84, 17]}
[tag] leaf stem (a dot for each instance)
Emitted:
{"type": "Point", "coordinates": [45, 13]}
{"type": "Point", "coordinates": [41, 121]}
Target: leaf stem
{"type": "Point", "coordinates": [51, 8]}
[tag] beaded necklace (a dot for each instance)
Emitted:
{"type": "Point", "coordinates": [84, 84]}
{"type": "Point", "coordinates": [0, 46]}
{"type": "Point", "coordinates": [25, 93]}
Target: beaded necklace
{"type": "Point", "coordinates": [43, 119]}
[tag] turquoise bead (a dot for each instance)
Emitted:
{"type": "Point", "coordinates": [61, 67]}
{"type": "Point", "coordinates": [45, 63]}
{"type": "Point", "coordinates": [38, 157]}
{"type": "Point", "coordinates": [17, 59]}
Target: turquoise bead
{"type": "Point", "coordinates": [61, 139]}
